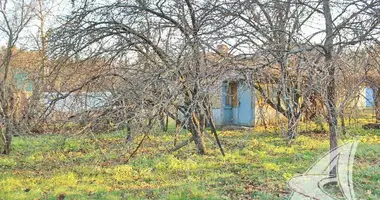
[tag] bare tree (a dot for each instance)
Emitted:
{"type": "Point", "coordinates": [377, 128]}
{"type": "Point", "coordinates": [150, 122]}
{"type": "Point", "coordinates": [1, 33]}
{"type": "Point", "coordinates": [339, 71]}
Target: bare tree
{"type": "Point", "coordinates": [267, 37]}
{"type": "Point", "coordinates": [15, 16]}
{"type": "Point", "coordinates": [44, 20]}
{"type": "Point", "coordinates": [372, 76]}
{"type": "Point", "coordinates": [158, 51]}
{"type": "Point", "coordinates": [342, 29]}
{"type": "Point", "coordinates": [270, 32]}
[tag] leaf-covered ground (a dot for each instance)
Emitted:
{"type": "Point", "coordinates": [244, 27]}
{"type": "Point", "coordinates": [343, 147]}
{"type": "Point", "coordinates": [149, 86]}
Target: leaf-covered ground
{"type": "Point", "coordinates": [257, 165]}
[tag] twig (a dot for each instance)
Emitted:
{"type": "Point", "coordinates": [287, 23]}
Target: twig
{"type": "Point", "coordinates": [184, 143]}
{"type": "Point", "coordinates": [137, 148]}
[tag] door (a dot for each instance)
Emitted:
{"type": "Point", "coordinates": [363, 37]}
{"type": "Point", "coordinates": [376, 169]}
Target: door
{"type": "Point", "coordinates": [369, 97]}
{"type": "Point", "coordinates": [227, 108]}
{"type": "Point", "coordinates": [230, 102]}
{"type": "Point", "coordinates": [245, 110]}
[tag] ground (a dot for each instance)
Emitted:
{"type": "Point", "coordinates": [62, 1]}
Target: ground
{"type": "Point", "coordinates": [257, 165]}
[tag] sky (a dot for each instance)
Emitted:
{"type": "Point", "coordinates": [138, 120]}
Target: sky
{"type": "Point", "coordinates": [30, 34]}
{"type": "Point", "coordinates": [58, 8]}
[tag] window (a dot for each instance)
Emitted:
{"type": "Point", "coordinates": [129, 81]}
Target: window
{"type": "Point", "coordinates": [231, 94]}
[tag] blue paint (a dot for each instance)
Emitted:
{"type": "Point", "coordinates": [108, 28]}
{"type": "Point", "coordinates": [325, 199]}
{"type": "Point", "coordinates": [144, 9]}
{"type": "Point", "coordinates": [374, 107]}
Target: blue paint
{"type": "Point", "coordinates": [235, 112]}
{"type": "Point", "coordinates": [227, 109]}
{"type": "Point", "coordinates": [245, 110]}
{"type": "Point", "coordinates": [227, 115]}
{"type": "Point", "coordinates": [369, 97]}
{"type": "Point", "coordinates": [243, 114]}
{"type": "Point", "coordinates": [217, 114]}
{"type": "Point", "coordinates": [22, 81]}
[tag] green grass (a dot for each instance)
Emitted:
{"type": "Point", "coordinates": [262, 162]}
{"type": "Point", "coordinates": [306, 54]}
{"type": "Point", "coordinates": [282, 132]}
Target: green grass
{"type": "Point", "coordinates": [257, 165]}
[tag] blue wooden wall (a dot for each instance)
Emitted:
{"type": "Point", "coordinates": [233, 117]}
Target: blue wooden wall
{"type": "Point", "coordinates": [243, 114]}
{"type": "Point", "coordinates": [22, 81]}
{"type": "Point", "coordinates": [245, 111]}
{"type": "Point", "coordinates": [369, 97]}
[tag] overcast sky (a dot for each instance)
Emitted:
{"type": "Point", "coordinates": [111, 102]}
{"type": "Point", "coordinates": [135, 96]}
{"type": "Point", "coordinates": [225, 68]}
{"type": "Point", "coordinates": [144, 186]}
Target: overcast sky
{"type": "Point", "coordinates": [59, 8]}
{"type": "Point", "coordinates": [55, 9]}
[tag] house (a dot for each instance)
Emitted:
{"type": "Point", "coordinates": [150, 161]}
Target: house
{"type": "Point", "coordinates": [22, 82]}
{"type": "Point", "coordinates": [365, 100]}
{"type": "Point", "coordinates": [70, 104]}
{"type": "Point", "coordinates": [235, 102]}
{"type": "Point", "coordinates": [237, 106]}
{"type": "Point", "coordinates": [239, 103]}
{"type": "Point", "coordinates": [23, 88]}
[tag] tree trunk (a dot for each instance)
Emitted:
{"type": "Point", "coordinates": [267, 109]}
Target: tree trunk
{"type": "Point", "coordinates": [129, 137]}
{"type": "Point", "coordinates": [213, 128]}
{"type": "Point", "coordinates": [332, 114]}
{"type": "Point", "coordinates": [8, 139]}
{"type": "Point", "coordinates": [162, 123]}
{"type": "Point", "coordinates": [292, 127]}
{"type": "Point", "coordinates": [166, 123]}
{"type": "Point", "coordinates": [332, 118]}
{"type": "Point", "coordinates": [177, 128]}
{"type": "Point", "coordinates": [197, 134]}
{"type": "Point", "coordinates": [331, 88]}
